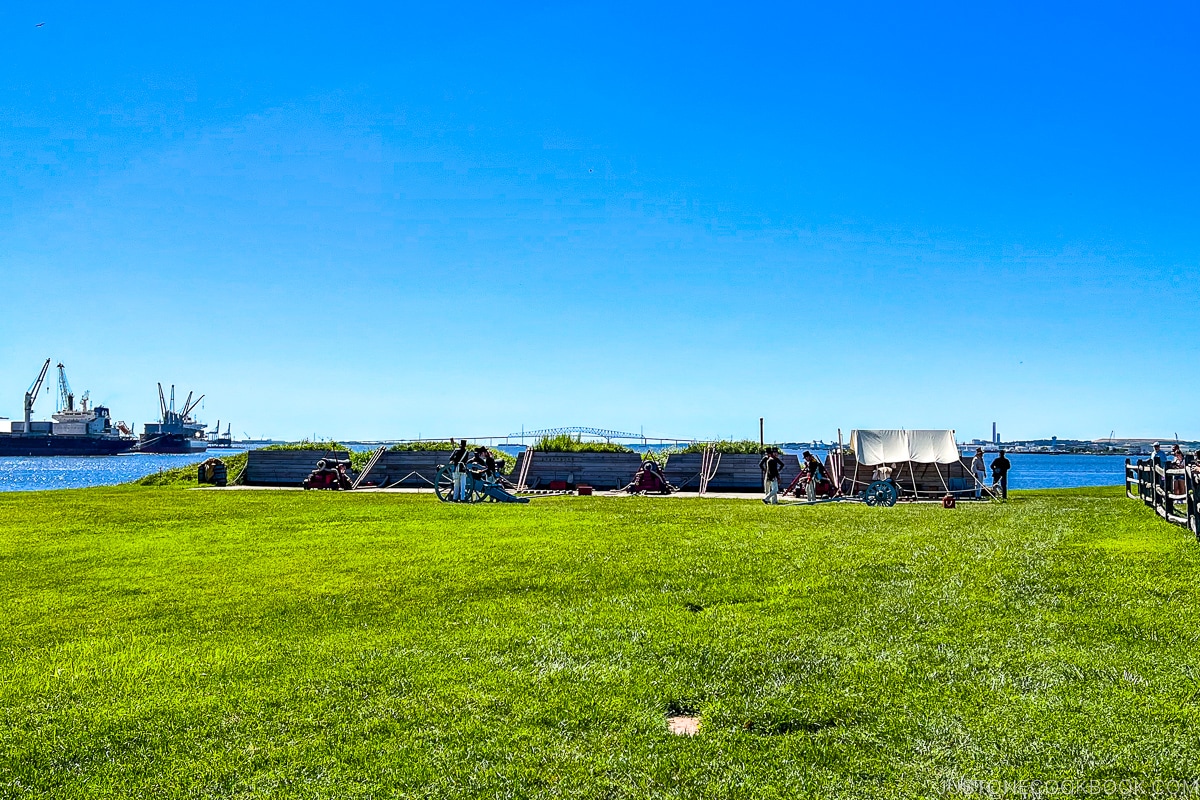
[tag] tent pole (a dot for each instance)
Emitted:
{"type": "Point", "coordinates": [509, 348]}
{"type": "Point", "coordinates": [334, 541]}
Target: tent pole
{"type": "Point", "coordinates": [841, 459]}
{"type": "Point", "coordinates": [913, 475]}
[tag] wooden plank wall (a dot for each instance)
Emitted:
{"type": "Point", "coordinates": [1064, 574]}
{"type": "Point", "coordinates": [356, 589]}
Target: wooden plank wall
{"type": "Point", "coordinates": [285, 467]}
{"type": "Point", "coordinates": [956, 476]}
{"type": "Point", "coordinates": [600, 470]}
{"type": "Point", "coordinates": [395, 468]}
{"type": "Point", "coordinates": [736, 472]}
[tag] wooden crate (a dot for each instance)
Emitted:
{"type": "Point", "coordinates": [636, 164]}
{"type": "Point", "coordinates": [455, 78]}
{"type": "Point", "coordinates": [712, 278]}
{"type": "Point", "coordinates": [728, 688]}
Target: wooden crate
{"type": "Point", "coordinates": [285, 467]}
{"type": "Point", "coordinates": [600, 470]}
{"type": "Point", "coordinates": [736, 472]}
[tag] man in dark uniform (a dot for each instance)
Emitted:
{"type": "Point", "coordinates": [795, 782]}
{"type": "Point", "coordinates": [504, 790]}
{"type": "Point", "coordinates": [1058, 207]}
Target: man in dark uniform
{"type": "Point", "coordinates": [483, 457]}
{"type": "Point", "coordinates": [771, 465]}
{"type": "Point", "coordinates": [816, 473]}
{"type": "Point", "coordinates": [1000, 468]}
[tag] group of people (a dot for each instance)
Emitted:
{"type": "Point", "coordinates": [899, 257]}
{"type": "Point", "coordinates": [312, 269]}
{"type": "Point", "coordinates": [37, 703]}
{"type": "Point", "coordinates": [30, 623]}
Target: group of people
{"type": "Point", "coordinates": [1176, 459]}
{"type": "Point", "coordinates": [812, 471]}
{"type": "Point", "coordinates": [1000, 467]}
{"type": "Point", "coordinates": [478, 462]}
{"type": "Point", "coordinates": [816, 481]}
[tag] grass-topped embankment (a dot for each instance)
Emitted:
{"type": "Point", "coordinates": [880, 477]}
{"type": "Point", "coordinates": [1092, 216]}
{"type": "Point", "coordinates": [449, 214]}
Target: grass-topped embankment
{"type": "Point", "coordinates": [565, 443]}
{"type": "Point", "coordinates": [734, 446]}
{"type": "Point", "coordinates": [205, 644]}
{"type": "Point", "coordinates": [186, 475]}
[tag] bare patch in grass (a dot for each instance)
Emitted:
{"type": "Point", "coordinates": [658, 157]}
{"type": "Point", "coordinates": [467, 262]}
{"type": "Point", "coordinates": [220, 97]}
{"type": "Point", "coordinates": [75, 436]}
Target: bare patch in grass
{"type": "Point", "coordinates": [683, 718]}
{"type": "Point", "coordinates": [683, 725]}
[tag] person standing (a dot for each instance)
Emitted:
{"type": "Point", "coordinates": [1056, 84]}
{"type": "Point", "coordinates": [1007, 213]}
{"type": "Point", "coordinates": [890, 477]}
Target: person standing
{"type": "Point", "coordinates": [815, 474]}
{"type": "Point", "coordinates": [1000, 468]}
{"type": "Point", "coordinates": [1178, 461]}
{"type": "Point", "coordinates": [458, 471]}
{"type": "Point", "coordinates": [771, 465]}
{"type": "Point", "coordinates": [979, 470]}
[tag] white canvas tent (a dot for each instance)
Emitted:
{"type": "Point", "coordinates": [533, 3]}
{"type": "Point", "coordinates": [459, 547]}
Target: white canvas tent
{"type": "Point", "coordinates": [932, 449]}
{"type": "Point", "coordinates": [891, 446]}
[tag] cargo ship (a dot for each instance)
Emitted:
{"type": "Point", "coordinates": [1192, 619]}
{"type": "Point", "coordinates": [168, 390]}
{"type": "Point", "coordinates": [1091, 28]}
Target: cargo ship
{"type": "Point", "coordinates": [73, 431]}
{"type": "Point", "coordinates": [176, 431]}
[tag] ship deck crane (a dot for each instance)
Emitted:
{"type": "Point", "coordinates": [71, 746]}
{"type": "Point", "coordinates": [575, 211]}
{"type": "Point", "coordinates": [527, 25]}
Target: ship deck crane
{"type": "Point", "coordinates": [66, 398]}
{"type": "Point", "coordinates": [31, 395]}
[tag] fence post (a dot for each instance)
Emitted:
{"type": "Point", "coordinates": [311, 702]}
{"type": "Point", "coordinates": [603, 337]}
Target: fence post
{"type": "Point", "coordinates": [1189, 488]}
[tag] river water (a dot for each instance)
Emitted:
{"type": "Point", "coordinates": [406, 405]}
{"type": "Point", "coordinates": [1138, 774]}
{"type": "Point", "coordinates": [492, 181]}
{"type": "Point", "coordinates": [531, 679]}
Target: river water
{"type": "Point", "coordinates": [31, 474]}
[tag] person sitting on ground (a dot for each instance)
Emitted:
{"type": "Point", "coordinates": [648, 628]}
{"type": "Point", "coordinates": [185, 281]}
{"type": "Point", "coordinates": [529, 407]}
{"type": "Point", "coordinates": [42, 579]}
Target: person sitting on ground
{"type": "Point", "coordinates": [344, 480]}
{"type": "Point", "coordinates": [979, 471]}
{"type": "Point", "coordinates": [1000, 468]}
{"type": "Point", "coordinates": [771, 465]}
{"type": "Point", "coordinates": [816, 473]}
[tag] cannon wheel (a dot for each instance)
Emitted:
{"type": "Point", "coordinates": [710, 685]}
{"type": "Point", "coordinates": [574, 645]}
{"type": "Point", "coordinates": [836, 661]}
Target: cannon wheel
{"type": "Point", "coordinates": [443, 484]}
{"type": "Point", "coordinates": [475, 489]}
{"type": "Point", "coordinates": [880, 493]}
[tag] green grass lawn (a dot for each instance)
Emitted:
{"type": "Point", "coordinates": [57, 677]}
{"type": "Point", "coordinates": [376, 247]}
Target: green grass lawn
{"type": "Point", "coordinates": [161, 642]}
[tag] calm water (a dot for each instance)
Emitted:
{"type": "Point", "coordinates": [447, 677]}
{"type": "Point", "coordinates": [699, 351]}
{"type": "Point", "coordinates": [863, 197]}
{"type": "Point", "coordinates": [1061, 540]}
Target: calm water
{"type": "Point", "coordinates": [71, 472]}
{"type": "Point", "coordinates": [1061, 472]}
{"type": "Point", "coordinates": [27, 474]}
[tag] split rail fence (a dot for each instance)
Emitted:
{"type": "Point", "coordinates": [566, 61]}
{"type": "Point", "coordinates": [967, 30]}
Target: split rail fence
{"type": "Point", "coordinates": [1160, 488]}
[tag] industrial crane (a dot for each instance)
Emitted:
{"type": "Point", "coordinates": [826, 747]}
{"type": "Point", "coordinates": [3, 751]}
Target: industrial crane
{"type": "Point", "coordinates": [32, 394]}
{"type": "Point", "coordinates": [66, 398]}
{"type": "Point", "coordinates": [168, 411]}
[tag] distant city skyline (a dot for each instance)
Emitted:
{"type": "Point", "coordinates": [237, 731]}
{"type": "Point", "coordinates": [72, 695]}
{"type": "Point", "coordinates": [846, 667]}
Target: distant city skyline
{"type": "Point", "coordinates": [385, 220]}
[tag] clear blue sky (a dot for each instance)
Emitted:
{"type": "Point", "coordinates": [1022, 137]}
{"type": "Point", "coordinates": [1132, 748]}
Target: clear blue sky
{"type": "Point", "coordinates": [389, 220]}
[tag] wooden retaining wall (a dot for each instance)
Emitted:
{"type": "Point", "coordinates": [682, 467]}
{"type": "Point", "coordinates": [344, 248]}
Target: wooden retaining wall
{"type": "Point", "coordinates": [599, 470]}
{"type": "Point", "coordinates": [921, 480]}
{"type": "Point", "coordinates": [285, 467]}
{"type": "Point", "coordinates": [736, 472]}
{"type": "Point", "coordinates": [408, 469]}
{"type": "Point", "coordinates": [1155, 485]}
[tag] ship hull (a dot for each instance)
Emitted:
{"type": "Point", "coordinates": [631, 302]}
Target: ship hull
{"type": "Point", "coordinates": [62, 445]}
{"type": "Point", "coordinates": [171, 443]}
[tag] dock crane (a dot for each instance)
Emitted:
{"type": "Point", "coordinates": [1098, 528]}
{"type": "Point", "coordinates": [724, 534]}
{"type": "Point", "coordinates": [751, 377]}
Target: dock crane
{"type": "Point", "coordinates": [32, 394]}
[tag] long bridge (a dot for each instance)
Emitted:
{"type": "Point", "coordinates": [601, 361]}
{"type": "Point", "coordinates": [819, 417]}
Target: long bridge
{"type": "Point", "coordinates": [600, 433]}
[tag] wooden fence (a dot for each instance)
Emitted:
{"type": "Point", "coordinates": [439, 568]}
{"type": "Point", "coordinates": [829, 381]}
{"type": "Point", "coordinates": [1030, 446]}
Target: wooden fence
{"type": "Point", "coordinates": [1159, 487]}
